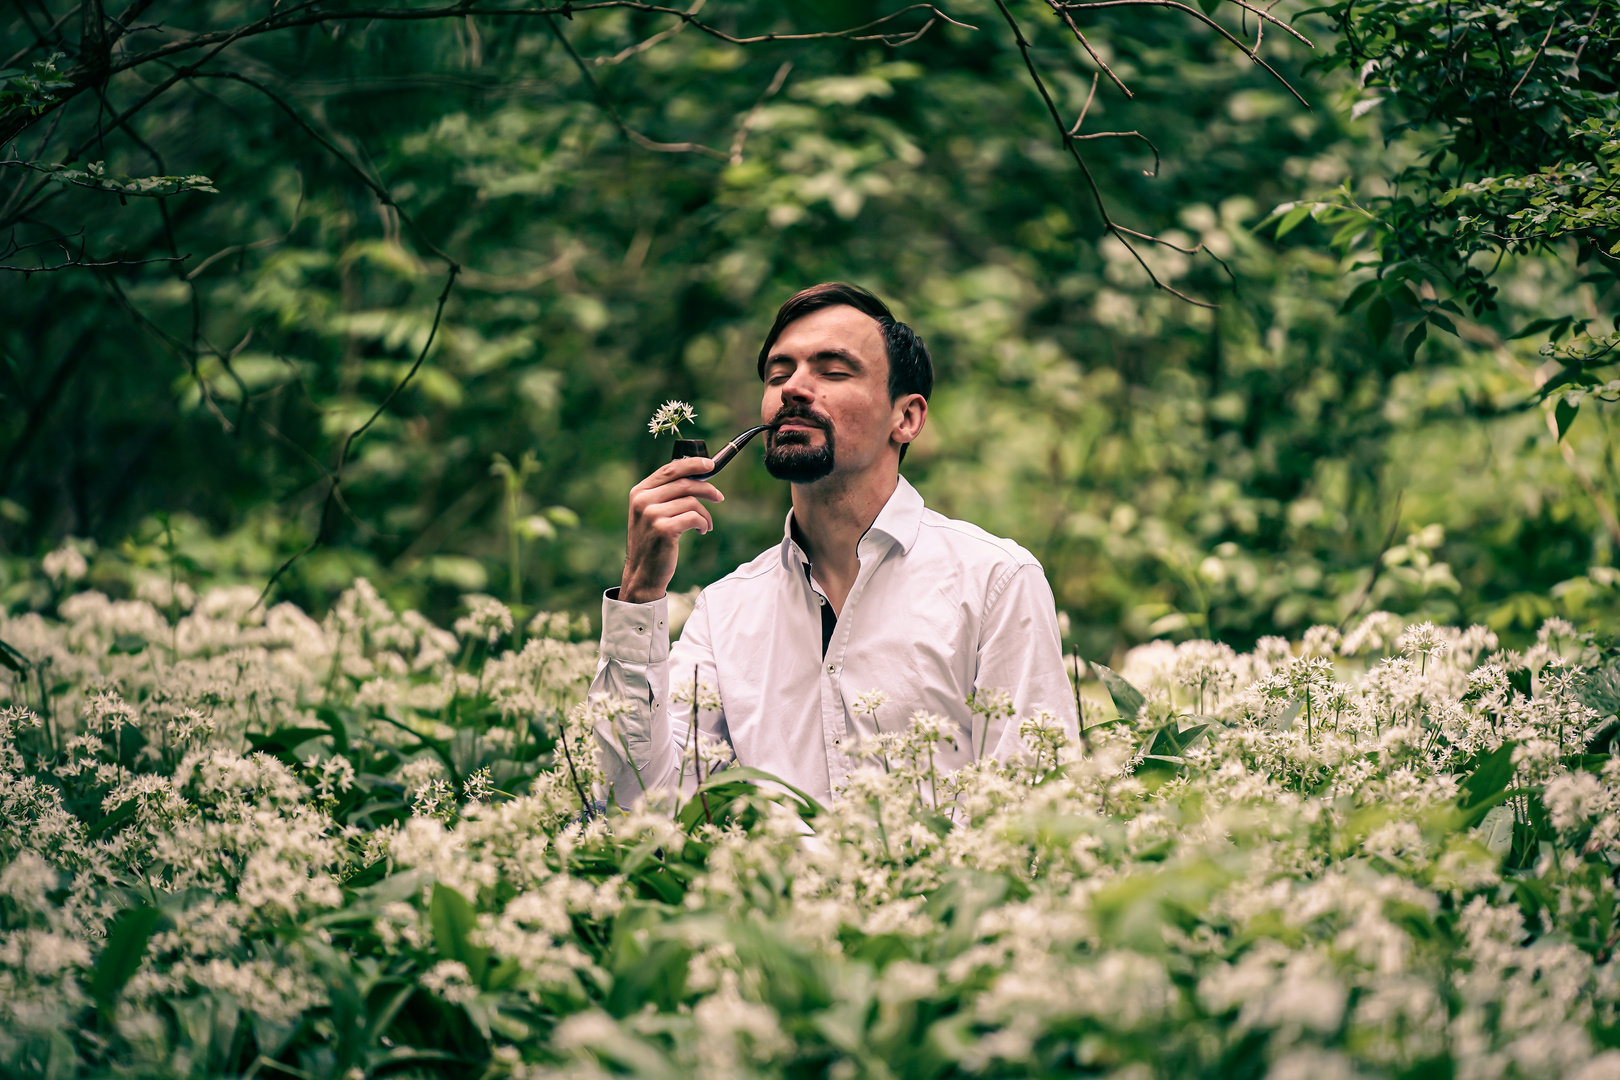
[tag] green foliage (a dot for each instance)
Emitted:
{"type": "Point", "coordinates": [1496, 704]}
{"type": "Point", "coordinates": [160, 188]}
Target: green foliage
{"type": "Point", "coordinates": [30, 90]}
{"type": "Point", "coordinates": [1512, 116]}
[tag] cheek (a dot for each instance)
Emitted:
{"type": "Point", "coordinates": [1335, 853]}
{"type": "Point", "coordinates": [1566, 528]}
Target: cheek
{"type": "Point", "coordinates": [859, 418]}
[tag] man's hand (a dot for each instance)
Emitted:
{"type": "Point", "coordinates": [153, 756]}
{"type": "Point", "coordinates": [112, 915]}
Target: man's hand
{"type": "Point", "coordinates": [662, 507]}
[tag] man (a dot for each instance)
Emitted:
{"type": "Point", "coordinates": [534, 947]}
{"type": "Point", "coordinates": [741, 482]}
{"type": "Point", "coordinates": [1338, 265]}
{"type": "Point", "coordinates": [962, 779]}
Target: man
{"type": "Point", "coordinates": [869, 590]}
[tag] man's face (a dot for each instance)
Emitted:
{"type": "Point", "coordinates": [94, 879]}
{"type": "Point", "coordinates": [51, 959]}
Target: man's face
{"type": "Point", "coordinates": [827, 376]}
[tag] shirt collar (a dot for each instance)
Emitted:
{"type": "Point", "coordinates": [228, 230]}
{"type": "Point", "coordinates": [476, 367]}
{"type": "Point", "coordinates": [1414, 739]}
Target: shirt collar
{"type": "Point", "coordinates": [899, 520]}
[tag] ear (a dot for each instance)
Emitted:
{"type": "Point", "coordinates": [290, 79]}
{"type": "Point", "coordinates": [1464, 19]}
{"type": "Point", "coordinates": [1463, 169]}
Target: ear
{"type": "Point", "coordinates": [909, 415]}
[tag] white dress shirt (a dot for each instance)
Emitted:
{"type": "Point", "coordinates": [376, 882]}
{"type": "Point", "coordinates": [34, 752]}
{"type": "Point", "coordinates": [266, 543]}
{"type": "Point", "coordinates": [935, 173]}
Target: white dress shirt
{"type": "Point", "coordinates": [939, 609]}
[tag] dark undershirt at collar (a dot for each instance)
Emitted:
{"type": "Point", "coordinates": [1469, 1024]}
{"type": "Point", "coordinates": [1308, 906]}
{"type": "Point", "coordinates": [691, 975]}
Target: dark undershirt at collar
{"type": "Point", "coordinates": [829, 623]}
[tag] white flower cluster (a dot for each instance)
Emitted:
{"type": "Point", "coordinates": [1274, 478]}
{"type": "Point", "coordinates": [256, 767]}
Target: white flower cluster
{"type": "Point", "coordinates": [669, 418]}
{"type": "Point", "coordinates": [248, 836]}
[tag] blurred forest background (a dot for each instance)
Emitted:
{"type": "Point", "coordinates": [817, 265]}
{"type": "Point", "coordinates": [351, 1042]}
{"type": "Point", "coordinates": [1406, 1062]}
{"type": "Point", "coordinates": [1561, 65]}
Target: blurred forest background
{"type": "Point", "coordinates": [278, 212]}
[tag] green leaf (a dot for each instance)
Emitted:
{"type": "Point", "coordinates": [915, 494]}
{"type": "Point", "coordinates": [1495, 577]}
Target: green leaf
{"type": "Point", "coordinates": [1520, 680]}
{"type": "Point", "coordinates": [334, 722]}
{"type": "Point", "coordinates": [1564, 415]}
{"type": "Point", "coordinates": [1488, 775]}
{"type": "Point", "coordinates": [1380, 317]}
{"type": "Point", "coordinates": [1443, 323]}
{"type": "Point", "coordinates": [1358, 296]}
{"type": "Point", "coordinates": [1539, 326]}
{"type": "Point", "coordinates": [12, 659]}
{"type": "Point", "coordinates": [740, 773]}
{"type": "Point", "coordinates": [454, 920]}
{"type": "Point", "coordinates": [1292, 219]}
{"type": "Point", "coordinates": [1419, 334]}
{"type": "Point", "coordinates": [283, 740]}
{"type": "Point", "coordinates": [122, 954]}
{"type": "Point", "coordinates": [1127, 698]}
{"type": "Point", "coordinates": [120, 814]}
{"type": "Point", "coordinates": [1209, 6]}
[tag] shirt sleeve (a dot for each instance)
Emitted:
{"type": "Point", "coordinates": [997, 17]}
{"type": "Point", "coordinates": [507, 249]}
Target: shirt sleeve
{"type": "Point", "coordinates": [1021, 652]}
{"type": "Point", "coordinates": [648, 747]}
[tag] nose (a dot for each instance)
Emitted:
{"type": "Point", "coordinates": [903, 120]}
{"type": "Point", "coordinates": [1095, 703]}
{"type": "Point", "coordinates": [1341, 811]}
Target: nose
{"type": "Point", "coordinates": [797, 389]}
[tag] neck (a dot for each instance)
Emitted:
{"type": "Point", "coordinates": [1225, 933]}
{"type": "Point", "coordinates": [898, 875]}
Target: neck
{"type": "Point", "coordinates": [829, 519]}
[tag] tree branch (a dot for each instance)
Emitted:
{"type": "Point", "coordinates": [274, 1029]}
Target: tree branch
{"type": "Point", "coordinates": [348, 442]}
{"type": "Point", "coordinates": [1085, 170]}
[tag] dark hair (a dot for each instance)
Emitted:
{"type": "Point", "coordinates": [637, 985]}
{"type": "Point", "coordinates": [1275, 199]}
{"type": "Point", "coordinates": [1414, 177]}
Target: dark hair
{"type": "Point", "coordinates": [911, 369]}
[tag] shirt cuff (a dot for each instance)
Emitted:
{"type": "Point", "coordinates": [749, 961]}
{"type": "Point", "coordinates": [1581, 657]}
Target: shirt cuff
{"type": "Point", "coordinates": [635, 633]}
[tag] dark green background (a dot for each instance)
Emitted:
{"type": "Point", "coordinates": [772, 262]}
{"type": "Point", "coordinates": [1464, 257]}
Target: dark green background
{"type": "Point", "coordinates": [1178, 471]}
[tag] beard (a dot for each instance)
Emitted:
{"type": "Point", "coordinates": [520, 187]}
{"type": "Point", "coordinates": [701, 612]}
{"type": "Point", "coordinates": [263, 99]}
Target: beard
{"type": "Point", "coordinates": [790, 456]}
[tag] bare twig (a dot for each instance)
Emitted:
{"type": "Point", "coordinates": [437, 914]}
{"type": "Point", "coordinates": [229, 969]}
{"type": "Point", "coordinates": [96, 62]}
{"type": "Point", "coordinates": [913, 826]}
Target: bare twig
{"type": "Point", "coordinates": [1085, 170]}
{"type": "Point", "coordinates": [642, 46]}
{"type": "Point", "coordinates": [1604, 507]}
{"type": "Point", "coordinates": [72, 263]}
{"type": "Point", "coordinates": [1098, 60]}
{"type": "Point", "coordinates": [377, 188]}
{"type": "Point", "coordinates": [1126, 135]}
{"type": "Point", "coordinates": [754, 114]}
{"type": "Point", "coordinates": [348, 442]}
{"type": "Point", "coordinates": [613, 113]}
{"type": "Point", "coordinates": [1201, 17]}
{"type": "Point", "coordinates": [308, 14]}
{"type": "Point", "coordinates": [1378, 563]}
{"type": "Point", "coordinates": [1551, 26]}
{"type": "Point", "coordinates": [1090, 96]}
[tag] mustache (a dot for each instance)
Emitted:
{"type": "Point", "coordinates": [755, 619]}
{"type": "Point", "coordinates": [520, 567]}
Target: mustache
{"type": "Point", "coordinates": [801, 413]}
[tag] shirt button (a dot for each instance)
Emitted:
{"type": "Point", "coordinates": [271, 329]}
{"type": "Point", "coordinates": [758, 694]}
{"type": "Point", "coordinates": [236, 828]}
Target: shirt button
{"type": "Point", "coordinates": [641, 629]}
{"type": "Point", "coordinates": [832, 670]}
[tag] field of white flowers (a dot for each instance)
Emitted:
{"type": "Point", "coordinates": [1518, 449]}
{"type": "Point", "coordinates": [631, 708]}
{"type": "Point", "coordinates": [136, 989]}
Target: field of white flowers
{"type": "Point", "coordinates": [238, 842]}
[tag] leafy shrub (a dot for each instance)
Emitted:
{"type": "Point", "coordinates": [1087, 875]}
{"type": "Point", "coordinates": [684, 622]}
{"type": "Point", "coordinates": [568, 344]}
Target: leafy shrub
{"type": "Point", "coordinates": [237, 841]}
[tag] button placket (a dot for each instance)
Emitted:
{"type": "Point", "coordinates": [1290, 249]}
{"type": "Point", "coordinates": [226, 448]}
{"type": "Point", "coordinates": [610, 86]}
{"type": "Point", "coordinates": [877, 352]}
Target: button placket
{"type": "Point", "coordinates": [835, 719]}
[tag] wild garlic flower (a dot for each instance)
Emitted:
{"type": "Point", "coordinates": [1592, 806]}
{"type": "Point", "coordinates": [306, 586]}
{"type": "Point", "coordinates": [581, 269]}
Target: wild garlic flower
{"type": "Point", "coordinates": [490, 620]}
{"type": "Point", "coordinates": [669, 418]}
{"type": "Point", "coordinates": [703, 695]}
{"type": "Point", "coordinates": [869, 703]}
{"type": "Point", "coordinates": [65, 565]}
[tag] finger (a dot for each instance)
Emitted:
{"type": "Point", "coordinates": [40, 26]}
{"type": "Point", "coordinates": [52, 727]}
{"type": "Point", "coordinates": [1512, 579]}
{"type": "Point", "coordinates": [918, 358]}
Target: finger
{"type": "Point", "coordinates": [645, 501]}
{"type": "Point", "coordinates": [666, 514]}
{"type": "Point", "coordinates": [676, 489]}
{"type": "Point", "coordinates": [693, 519]}
{"type": "Point", "coordinates": [674, 470]}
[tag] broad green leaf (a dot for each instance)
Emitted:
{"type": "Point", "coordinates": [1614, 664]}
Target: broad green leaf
{"type": "Point", "coordinates": [1497, 830]}
{"type": "Point", "coordinates": [1358, 296]}
{"type": "Point", "coordinates": [1292, 219]}
{"type": "Point", "coordinates": [118, 816]}
{"type": "Point", "coordinates": [1564, 415]}
{"type": "Point", "coordinates": [1127, 698]}
{"type": "Point", "coordinates": [1539, 326]}
{"type": "Point", "coordinates": [13, 660]}
{"type": "Point", "coordinates": [122, 953]}
{"type": "Point", "coordinates": [1488, 774]}
{"type": "Point", "coordinates": [283, 740]}
{"type": "Point", "coordinates": [1418, 335]}
{"type": "Point", "coordinates": [1380, 317]}
{"type": "Point", "coordinates": [454, 920]}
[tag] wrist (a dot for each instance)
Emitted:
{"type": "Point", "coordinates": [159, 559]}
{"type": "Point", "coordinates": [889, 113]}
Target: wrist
{"type": "Point", "coordinates": [632, 591]}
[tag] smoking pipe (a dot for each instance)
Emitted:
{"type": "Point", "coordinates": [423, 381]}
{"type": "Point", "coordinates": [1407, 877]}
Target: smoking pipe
{"type": "Point", "coordinates": [699, 448]}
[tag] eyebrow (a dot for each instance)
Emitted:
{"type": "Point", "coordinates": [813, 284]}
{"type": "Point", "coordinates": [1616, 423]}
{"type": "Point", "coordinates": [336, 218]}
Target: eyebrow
{"type": "Point", "coordinates": [822, 354]}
